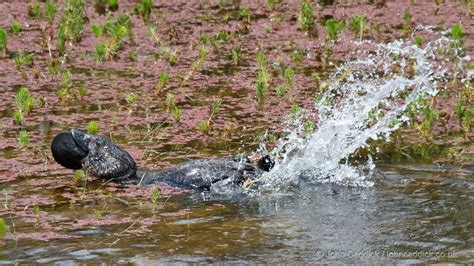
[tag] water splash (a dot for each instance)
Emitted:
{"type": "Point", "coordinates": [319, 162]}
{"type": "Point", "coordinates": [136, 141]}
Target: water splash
{"type": "Point", "coordinates": [367, 100]}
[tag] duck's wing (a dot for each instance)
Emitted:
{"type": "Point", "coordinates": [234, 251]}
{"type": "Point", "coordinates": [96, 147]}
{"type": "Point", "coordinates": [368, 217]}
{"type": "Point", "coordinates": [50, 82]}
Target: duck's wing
{"type": "Point", "coordinates": [203, 173]}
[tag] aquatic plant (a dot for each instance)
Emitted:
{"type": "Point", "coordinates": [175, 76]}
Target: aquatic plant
{"type": "Point", "coordinates": [111, 35]}
{"type": "Point", "coordinates": [223, 3]}
{"type": "Point", "coordinates": [261, 60]}
{"type": "Point", "coordinates": [113, 5]}
{"type": "Point", "coordinates": [34, 9]}
{"type": "Point", "coordinates": [3, 228]}
{"type": "Point", "coordinates": [131, 98]}
{"type": "Point", "coordinates": [23, 138]}
{"type": "Point", "coordinates": [3, 41]}
{"type": "Point", "coordinates": [133, 55]}
{"type": "Point", "coordinates": [407, 29]}
{"type": "Point", "coordinates": [457, 34]}
{"type": "Point", "coordinates": [358, 25]}
{"type": "Point", "coordinates": [272, 3]}
{"type": "Point", "coordinates": [144, 9]}
{"type": "Point", "coordinates": [24, 104]}
{"type": "Point", "coordinates": [196, 65]}
{"type": "Point", "coordinates": [68, 90]}
{"type": "Point", "coordinates": [102, 6]}
{"type": "Point", "coordinates": [419, 41]}
{"type": "Point", "coordinates": [236, 54]}
{"type": "Point", "coordinates": [92, 127]}
{"type": "Point", "coordinates": [306, 17]}
{"type": "Point", "coordinates": [308, 127]}
{"type": "Point", "coordinates": [164, 77]}
{"type": "Point", "coordinates": [15, 28]}
{"type": "Point", "coordinates": [464, 113]}
{"type": "Point", "coordinates": [263, 77]}
{"type": "Point", "coordinates": [205, 126]}
{"type": "Point", "coordinates": [21, 59]}
{"type": "Point", "coordinates": [152, 33]}
{"type": "Point", "coordinates": [50, 10]}
{"type": "Point", "coordinates": [281, 91]}
{"type": "Point", "coordinates": [260, 90]}
{"type": "Point", "coordinates": [298, 55]}
{"type": "Point", "coordinates": [177, 112]}
{"type": "Point", "coordinates": [70, 25]}
{"type": "Point", "coordinates": [170, 101]}
{"type": "Point", "coordinates": [289, 76]}
{"type": "Point", "coordinates": [333, 28]}
{"type": "Point", "coordinates": [326, 54]}
{"type": "Point", "coordinates": [154, 197]}
{"type": "Point", "coordinates": [171, 56]}
{"type": "Point", "coordinates": [79, 176]}
{"type": "Point", "coordinates": [245, 14]}
{"type": "Point", "coordinates": [218, 39]}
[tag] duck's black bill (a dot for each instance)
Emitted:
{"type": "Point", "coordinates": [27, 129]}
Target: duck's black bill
{"type": "Point", "coordinates": [69, 148]}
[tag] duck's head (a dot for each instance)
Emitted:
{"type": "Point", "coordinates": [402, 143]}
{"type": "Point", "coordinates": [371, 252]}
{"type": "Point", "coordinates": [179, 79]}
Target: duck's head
{"type": "Point", "coordinates": [98, 155]}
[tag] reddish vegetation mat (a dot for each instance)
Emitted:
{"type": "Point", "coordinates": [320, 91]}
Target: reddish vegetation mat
{"type": "Point", "coordinates": [145, 128]}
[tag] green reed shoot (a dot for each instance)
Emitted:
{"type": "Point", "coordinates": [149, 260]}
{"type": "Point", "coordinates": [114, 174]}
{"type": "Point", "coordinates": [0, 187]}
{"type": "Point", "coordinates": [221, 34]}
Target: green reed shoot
{"type": "Point", "coordinates": [131, 98]}
{"type": "Point", "coordinates": [34, 10]}
{"type": "Point", "coordinates": [271, 3]}
{"type": "Point", "coordinates": [92, 127]}
{"type": "Point", "coordinates": [289, 76]}
{"type": "Point", "coordinates": [15, 28]}
{"type": "Point", "coordinates": [164, 77]}
{"type": "Point", "coordinates": [177, 112]}
{"type": "Point", "coordinates": [281, 91]}
{"type": "Point", "coordinates": [144, 9]}
{"type": "Point", "coordinates": [111, 36]}
{"type": "Point", "coordinates": [203, 126]}
{"type": "Point", "coordinates": [3, 41]}
{"type": "Point", "coordinates": [171, 56]}
{"type": "Point", "coordinates": [50, 10]}
{"type": "Point", "coordinates": [333, 28]}
{"type": "Point", "coordinates": [419, 41]}
{"type": "Point", "coordinates": [406, 22]}
{"type": "Point", "coordinates": [260, 91]}
{"type": "Point", "coordinates": [457, 34]}
{"type": "Point", "coordinates": [465, 114]}
{"type": "Point", "coordinates": [261, 60]}
{"type": "Point", "coordinates": [306, 17]}
{"type": "Point", "coordinates": [3, 228]}
{"type": "Point", "coordinates": [154, 197]}
{"type": "Point", "coordinates": [308, 127]}
{"type": "Point", "coordinates": [358, 24]}
{"type": "Point", "coordinates": [214, 110]}
{"type": "Point", "coordinates": [113, 5]}
{"type": "Point", "coordinates": [236, 54]}
{"type": "Point", "coordinates": [71, 22]}
{"type": "Point", "coordinates": [21, 59]}
{"type": "Point", "coordinates": [23, 138]}
{"type": "Point", "coordinates": [245, 14]}
{"type": "Point", "coordinates": [298, 55]}
{"type": "Point", "coordinates": [24, 104]}
{"type": "Point", "coordinates": [170, 101]}
{"type": "Point", "coordinates": [79, 176]}
{"type": "Point", "coordinates": [263, 77]}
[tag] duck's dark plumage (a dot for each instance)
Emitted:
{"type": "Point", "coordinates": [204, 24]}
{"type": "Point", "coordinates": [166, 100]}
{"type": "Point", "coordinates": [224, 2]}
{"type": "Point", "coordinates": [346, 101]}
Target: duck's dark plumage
{"type": "Point", "coordinates": [102, 158]}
